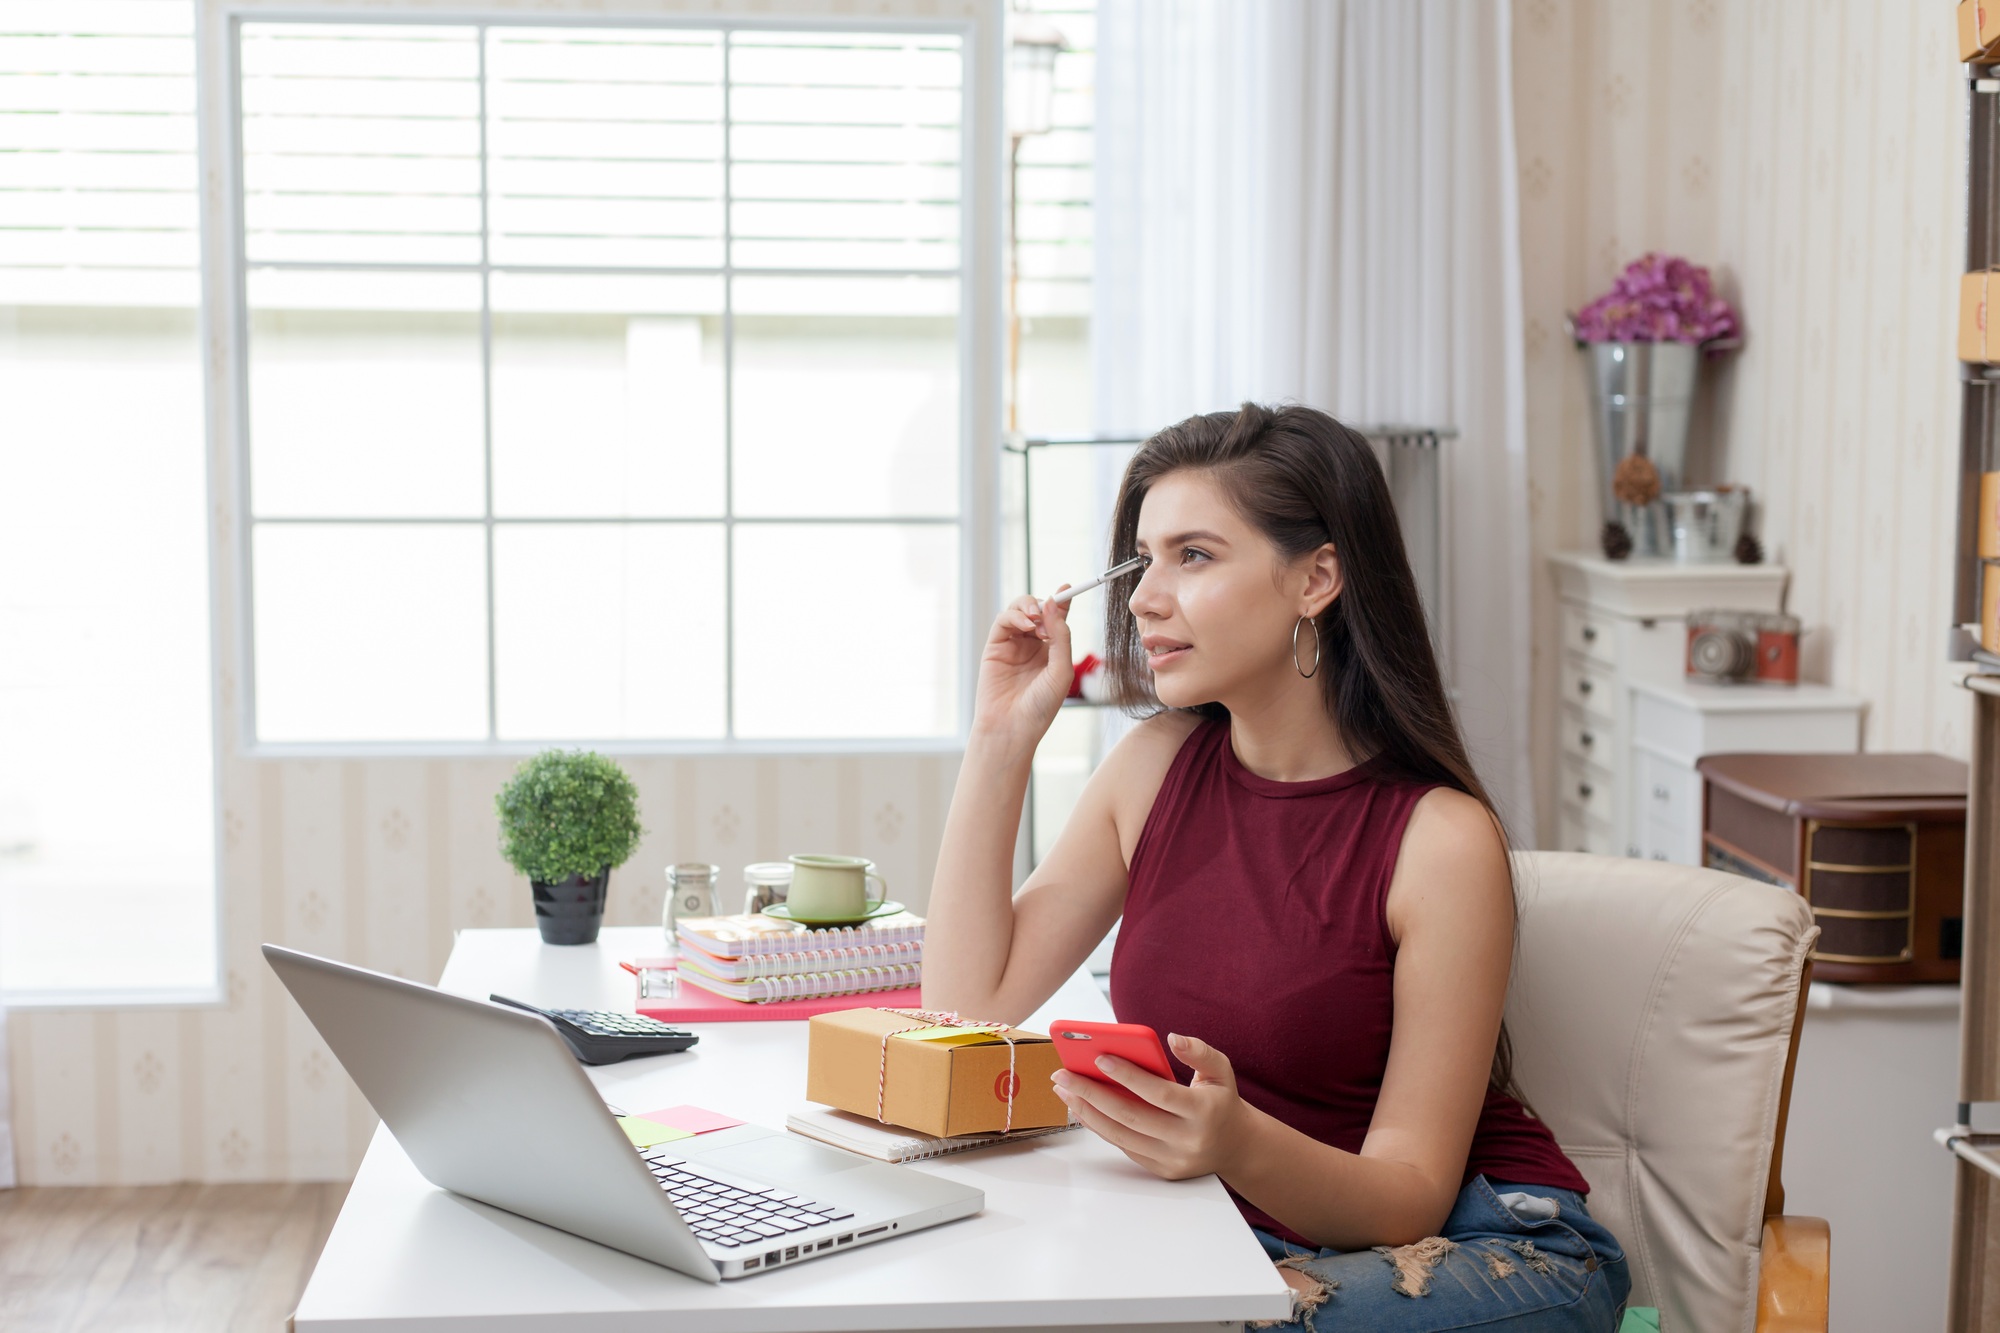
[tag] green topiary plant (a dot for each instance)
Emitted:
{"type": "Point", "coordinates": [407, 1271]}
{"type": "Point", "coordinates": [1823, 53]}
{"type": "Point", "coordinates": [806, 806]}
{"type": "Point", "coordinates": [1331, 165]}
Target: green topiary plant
{"type": "Point", "coordinates": [567, 812]}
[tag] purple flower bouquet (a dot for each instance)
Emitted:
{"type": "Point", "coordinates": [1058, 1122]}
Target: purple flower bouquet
{"type": "Point", "coordinates": [1659, 298]}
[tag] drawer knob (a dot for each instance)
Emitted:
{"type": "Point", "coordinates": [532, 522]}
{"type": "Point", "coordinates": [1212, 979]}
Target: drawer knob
{"type": "Point", "coordinates": [1661, 794]}
{"type": "Point", "coordinates": [1590, 634]}
{"type": "Point", "coordinates": [1583, 687]}
{"type": "Point", "coordinates": [1583, 789]}
{"type": "Point", "coordinates": [1586, 738]}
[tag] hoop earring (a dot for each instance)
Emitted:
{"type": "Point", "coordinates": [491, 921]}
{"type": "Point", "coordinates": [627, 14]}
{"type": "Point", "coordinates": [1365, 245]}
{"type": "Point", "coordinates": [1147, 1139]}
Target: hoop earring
{"type": "Point", "coordinates": [1295, 647]}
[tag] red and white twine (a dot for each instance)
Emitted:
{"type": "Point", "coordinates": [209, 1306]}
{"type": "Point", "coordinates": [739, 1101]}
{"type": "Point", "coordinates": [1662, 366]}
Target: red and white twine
{"type": "Point", "coordinates": [932, 1018]}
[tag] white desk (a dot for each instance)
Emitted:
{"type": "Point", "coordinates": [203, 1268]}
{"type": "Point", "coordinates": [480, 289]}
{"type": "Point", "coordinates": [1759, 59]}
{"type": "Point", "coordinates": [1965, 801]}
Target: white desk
{"type": "Point", "coordinates": [1073, 1234]}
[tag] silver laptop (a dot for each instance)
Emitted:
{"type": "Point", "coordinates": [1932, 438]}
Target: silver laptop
{"type": "Point", "coordinates": [489, 1103]}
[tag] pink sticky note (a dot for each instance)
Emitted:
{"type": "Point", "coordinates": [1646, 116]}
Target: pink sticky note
{"type": "Point", "coordinates": [690, 1118]}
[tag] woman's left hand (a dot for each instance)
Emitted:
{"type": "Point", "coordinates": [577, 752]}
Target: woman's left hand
{"type": "Point", "coordinates": [1173, 1131]}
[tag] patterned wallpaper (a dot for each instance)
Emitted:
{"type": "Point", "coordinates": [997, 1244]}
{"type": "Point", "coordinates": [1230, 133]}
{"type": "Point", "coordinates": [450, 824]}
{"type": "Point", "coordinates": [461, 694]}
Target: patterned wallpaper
{"type": "Point", "coordinates": [1813, 157]}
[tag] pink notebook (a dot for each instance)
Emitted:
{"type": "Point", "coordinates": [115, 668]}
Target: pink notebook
{"type": "Point", "coordinates": [695, 1005]}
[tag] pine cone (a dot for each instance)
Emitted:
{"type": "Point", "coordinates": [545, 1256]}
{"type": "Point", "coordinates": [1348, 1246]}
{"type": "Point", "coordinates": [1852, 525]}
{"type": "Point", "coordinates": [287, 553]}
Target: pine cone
{"type": "Point", "coordinates": [1636, 481]}
{"type": "Point", "coordinates": [1617, 542]}
{"type": "Point", "coordinates": [1749, 551]}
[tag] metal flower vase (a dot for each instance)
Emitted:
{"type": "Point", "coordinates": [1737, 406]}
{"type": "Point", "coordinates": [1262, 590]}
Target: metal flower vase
{"type": "Point", "coordinates": [1641, 394]}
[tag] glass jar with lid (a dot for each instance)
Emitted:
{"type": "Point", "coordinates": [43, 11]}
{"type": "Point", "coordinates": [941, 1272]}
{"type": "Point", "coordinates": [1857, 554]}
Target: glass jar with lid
{"type": "Point", "coordinates": [691, 892]}
{"type": "Point", "coordinates": [765, 883]}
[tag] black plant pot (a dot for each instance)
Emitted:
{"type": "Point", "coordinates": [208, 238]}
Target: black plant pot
{"type": "Point", "coordinates": [571, 912]}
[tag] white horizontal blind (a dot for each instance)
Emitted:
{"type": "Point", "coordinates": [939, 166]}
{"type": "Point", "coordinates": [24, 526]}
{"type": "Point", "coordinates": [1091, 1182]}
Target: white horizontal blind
{"type": "Point", "coordinates": [361, 144]}
{"type": "Point", "coordinates": [362, 147]}
{"type": "Point", "coordinates": [97, 153]}
{"type": "Point", "coordinates": [847, 156]}
{"type": "Point", "coordinates": [607, 148]}
{"type": "Point", "coordinates": [626, 337]}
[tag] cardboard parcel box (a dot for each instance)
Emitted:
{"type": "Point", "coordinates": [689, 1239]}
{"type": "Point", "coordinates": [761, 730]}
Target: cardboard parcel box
{"type": "Point", "coordinates": [1978, 29]}
{"type": "Point", "coordinates": [936, 1080]}
{"type": "Point", "coordinates": [1977, 342]}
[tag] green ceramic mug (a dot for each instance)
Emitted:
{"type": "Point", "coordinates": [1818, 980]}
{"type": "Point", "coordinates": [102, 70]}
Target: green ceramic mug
{"type": "Point", "coordinates": [825, 888]}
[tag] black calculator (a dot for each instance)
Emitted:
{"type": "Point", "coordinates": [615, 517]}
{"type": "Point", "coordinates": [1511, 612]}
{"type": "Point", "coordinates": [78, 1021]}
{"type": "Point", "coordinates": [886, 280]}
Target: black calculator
{"type": "Point", "coordinates": [604, 1036]}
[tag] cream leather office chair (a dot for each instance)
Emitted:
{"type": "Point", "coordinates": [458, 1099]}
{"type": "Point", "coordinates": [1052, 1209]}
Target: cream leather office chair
{"type": "Point", "coordinates": [1654, 1011]}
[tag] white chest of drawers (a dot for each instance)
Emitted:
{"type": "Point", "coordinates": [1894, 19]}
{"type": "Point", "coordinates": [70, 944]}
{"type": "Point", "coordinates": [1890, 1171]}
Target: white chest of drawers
{"type": "Point", "coordinates": [1623, 622]}
{"type": "Point", "coordinates": [1676, 723]}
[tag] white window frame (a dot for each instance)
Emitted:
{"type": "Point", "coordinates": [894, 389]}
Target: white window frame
{"type": "Point", "coordinates": [980, 321]}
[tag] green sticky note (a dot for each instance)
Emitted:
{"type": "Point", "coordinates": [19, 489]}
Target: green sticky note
{"type": "Point", "coordinates": [1640, 1319]}
{"type": "Point", "coordinates": [645, 1133]}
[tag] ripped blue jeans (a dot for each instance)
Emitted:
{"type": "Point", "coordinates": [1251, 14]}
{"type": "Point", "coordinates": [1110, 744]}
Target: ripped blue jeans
{"type": "Point", "coordinates": [1510, 1259]}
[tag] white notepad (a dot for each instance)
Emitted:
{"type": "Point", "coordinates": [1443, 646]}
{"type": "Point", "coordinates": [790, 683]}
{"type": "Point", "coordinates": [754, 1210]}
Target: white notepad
{"type": "Point", "coordinates": [893, 1143]}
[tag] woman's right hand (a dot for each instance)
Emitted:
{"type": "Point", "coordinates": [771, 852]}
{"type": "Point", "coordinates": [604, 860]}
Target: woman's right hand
{"type": "Point", "coordinates": [1025, 670]}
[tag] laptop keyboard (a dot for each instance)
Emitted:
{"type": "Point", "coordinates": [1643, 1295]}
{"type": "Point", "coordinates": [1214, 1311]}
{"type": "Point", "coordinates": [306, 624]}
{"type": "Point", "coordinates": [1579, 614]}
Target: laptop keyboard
{"type": "Point", "coordinates": [730, 1216]}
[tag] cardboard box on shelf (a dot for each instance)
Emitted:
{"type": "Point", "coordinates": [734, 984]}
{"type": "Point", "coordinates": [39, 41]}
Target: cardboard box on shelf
{"type": "Point", "coordinates": [1976, 341]}
{"type": "Point", "coordinates": [1989, 605]}
{"type": "Point", "coordinates": [1989, 516]}
{"type": "Point", "coordinates": [937, 1080]}
{"type": "Point", "coordinates": [1978, 29]}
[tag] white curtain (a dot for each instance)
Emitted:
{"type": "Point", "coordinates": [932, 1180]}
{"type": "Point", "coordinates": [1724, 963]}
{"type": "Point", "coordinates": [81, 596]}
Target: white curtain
{"type": "Point", "coordinates": [1314, 201]}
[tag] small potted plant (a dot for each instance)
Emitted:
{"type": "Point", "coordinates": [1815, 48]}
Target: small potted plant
{"type": "Point", "coordinates": [567, 818]}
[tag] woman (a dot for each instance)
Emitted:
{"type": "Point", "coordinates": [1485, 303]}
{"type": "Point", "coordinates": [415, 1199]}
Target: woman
{"type": "Point", "coordinates": [1316, 898]}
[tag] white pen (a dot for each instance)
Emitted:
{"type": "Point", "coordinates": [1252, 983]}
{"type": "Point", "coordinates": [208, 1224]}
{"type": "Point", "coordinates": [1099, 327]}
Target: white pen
{"type": "Point", "coordinates": [1105, 577]}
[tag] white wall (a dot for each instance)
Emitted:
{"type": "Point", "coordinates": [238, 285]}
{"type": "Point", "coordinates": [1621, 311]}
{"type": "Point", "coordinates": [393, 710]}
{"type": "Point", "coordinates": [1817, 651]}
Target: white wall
{"type": "Point", "coordinates": [1871, 1084]}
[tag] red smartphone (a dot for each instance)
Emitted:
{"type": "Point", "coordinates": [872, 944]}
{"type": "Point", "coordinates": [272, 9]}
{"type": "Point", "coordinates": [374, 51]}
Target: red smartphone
{"type": "Point", "coordinates": [1078, 1044]}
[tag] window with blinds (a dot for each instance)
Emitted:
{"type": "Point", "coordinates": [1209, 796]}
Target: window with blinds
{"type": "Point", "coordinates": [107, 812]}
{"type": "Point", "coordinates": [602, 383]}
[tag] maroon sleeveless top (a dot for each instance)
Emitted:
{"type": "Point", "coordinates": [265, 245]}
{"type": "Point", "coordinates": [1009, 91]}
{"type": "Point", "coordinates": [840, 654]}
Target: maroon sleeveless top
{"type": "Point", "coordinates": [1255, 920]}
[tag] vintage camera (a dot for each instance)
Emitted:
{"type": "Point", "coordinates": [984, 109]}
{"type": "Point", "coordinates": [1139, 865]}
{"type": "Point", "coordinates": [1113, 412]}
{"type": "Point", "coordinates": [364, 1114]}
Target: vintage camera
{"type": "Point", "coordinates": [1743, 646]}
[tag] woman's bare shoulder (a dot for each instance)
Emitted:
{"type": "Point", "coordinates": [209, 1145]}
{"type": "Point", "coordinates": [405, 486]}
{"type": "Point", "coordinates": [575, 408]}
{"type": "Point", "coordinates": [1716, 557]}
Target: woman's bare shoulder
{"type": "Point", "coordinates": [1453, 858]}
{"type": "Point", "coordinates": [1447, 824]}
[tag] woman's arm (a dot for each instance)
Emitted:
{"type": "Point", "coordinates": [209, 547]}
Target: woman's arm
{"type": "Point", "coordinates": [1451, 909]}
{"type": "Point", "coordinates": [1024, 675]}
{"type": "Point", "coordinates": [988, 952]}
{"type": "Point", "coordinates": [991, 953]}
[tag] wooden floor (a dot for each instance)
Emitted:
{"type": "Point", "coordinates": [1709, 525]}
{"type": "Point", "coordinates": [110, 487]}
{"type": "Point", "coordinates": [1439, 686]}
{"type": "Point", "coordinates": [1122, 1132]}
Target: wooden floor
{"type": "Point", "coordinates": [160, 1258]}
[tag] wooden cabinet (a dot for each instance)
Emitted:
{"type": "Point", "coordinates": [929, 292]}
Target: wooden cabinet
{"type": "Point", "coordinates": [1621, 623]}
{"type": "Point", "coordinates": [1875, 842]}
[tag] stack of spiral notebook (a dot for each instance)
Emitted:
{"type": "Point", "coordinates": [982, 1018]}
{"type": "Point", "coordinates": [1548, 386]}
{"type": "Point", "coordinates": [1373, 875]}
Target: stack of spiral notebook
{"type": "Point", "coordinates": [761, 960]}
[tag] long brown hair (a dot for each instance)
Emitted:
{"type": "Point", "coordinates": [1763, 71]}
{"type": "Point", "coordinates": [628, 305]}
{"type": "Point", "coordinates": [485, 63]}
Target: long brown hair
{"type": "Point", "coordinates": [1304, 480]}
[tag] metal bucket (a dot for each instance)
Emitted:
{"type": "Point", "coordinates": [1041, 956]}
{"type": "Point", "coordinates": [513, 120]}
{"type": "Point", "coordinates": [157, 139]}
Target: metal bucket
{"type": "Point", "coordinates": [1640, 397]}
{"type": "Point", "coordinates": [1707, 523]}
